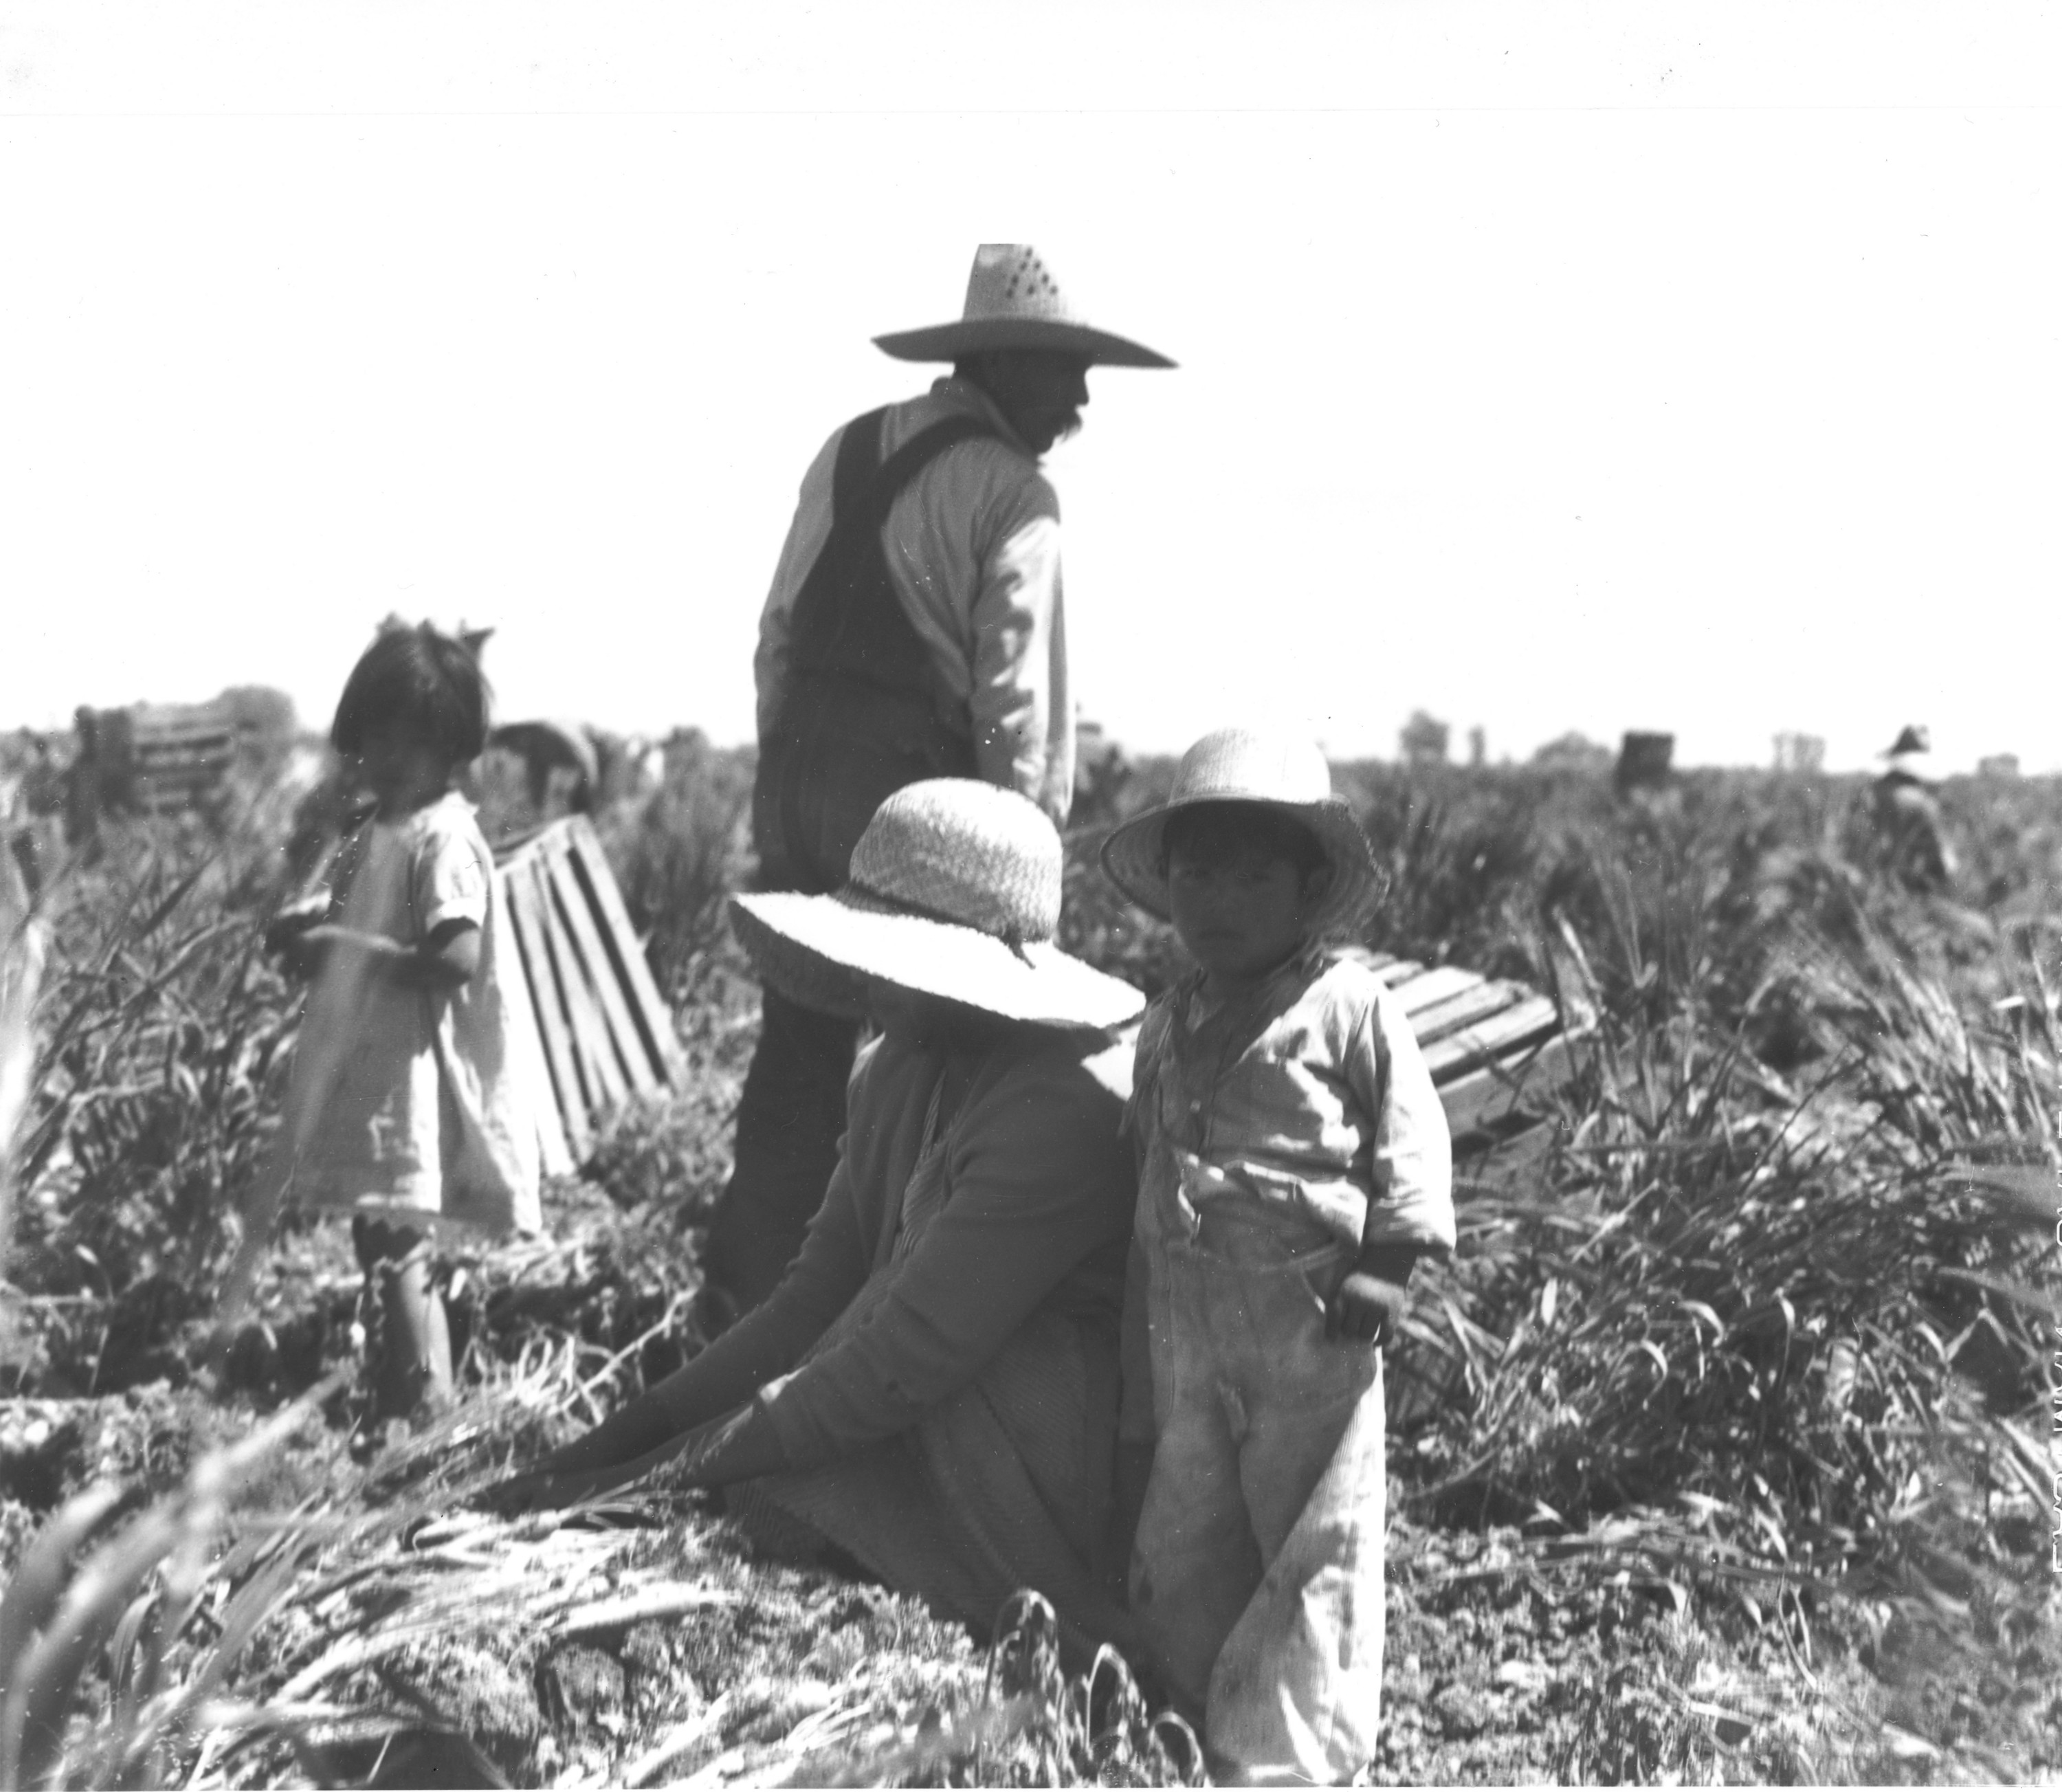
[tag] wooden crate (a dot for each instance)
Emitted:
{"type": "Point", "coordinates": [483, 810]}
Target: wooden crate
{"type": "Point", "coordinates": [1495, 1049]}
{"type": "Point", "coordinates": [603, 1031]}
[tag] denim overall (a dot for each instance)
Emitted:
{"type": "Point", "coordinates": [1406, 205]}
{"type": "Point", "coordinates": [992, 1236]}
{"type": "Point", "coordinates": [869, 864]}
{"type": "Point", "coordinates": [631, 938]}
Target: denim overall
{"type": "Point", "coordinates": [1257, 1574]}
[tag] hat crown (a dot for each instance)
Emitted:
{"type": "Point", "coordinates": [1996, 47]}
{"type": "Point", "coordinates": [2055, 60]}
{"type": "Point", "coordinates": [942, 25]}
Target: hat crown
{"type": "Point", "coordinates": [1243, 765]}
{"type": "Point", "coordinates": [956, 850]}
{"type": "Point", "coordinates": [1012, 280]}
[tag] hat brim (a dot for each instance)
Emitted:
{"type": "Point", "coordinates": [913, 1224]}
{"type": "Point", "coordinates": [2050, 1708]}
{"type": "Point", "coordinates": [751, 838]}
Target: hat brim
{"type": "Point", "coordinates": [948, 342]}
{"type": "Point", "coordinates": [1134, 855]}
{"type": "Point", "coordinates": [820, 950]}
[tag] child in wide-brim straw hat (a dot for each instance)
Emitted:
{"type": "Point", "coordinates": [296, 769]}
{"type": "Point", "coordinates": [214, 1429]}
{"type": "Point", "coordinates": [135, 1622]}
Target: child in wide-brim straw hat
{"type": "Point", "coordinates": [1294, 1165]}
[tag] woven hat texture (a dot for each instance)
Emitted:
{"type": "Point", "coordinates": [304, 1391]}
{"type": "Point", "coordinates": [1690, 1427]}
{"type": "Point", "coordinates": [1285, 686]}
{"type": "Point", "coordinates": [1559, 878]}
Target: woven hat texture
{"type": "Point", "coordinates": [1014, 301]}
{"type": "Point", "coordinates": [1243, 765]}
{"type": "Point", "coordinates": [954, 892]}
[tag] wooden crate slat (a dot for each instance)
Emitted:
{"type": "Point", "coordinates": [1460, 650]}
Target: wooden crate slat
{"type": "Point", "coordinates": [1428, 987]}
{"type": "Point", "coordinates": [526, 1041]}
{"type": "Point", "coordinates": [180, 763]}
{"type": "Point", "coordinates": [198, 743]}
{"type": "Point", "coordinates": [559, 1139]}
{"type": "Point", "coordinates": [604, 1076]}
{"type": "Point", "coordinates": [660, 1042]}
{"type": "Point", "coordinates": [520, 890]}
{"type": "Point", "coordinates": [1478, 1101]}
{"type": "Point", "coordinates": [623, 1045]}
{"type": "Point", "coordinates": [1486, 998]}
{"type": "Point", "coordinates": [1396, 971]}
{"type": "Point", "coordinates": [1487, 1040]}
{"type": "Point", "coordinates": [544, 1009]}
{"type": "Point", "coordinates": [181, 770]}
{"type": "Point", "coordinates": [566, 980]}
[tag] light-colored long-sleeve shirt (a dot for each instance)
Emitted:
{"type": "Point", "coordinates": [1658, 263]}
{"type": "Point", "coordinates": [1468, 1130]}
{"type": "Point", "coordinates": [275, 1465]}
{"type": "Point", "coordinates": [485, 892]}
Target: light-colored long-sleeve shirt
{"type": "Point", "coordinates": [1311, 1098]}
{"type": "Point", "coordinates": [1306, 1105]}
{"type": "Point", "coordinates": [972, 548]}
{"type": "Point", "coordinates": [1038, 1188]}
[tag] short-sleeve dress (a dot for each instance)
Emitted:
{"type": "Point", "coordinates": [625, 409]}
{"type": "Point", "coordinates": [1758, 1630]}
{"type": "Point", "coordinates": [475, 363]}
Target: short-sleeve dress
{"type": "Point", "coordinates": [421, 1106]}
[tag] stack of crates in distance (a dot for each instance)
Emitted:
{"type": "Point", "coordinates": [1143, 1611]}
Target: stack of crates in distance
{"type": "Point", "coordinates": [179, 754]}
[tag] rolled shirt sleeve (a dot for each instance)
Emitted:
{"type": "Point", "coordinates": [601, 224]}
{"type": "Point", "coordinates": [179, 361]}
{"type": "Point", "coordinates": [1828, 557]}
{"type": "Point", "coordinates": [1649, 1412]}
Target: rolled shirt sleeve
{"type": "Point", "coordinates": [452, 873]}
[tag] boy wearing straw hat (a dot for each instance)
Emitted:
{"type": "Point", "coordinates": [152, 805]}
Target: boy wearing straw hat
{"type": "Point", "coordinates": [1294, 1163]}
{"type": "Point", "coordinates": [915, 629]}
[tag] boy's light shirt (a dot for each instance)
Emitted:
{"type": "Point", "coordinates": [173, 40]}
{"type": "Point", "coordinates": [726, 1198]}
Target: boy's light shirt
{"type": "Point", "coordinates": [1307, 1102]}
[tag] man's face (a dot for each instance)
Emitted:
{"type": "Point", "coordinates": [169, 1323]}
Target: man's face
{"type": "Point", "coordinates": [1041, 390]}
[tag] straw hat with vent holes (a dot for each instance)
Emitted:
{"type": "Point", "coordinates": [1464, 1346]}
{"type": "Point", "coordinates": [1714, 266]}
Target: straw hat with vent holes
{"type": "Point", "coordinates": [1014, 301]}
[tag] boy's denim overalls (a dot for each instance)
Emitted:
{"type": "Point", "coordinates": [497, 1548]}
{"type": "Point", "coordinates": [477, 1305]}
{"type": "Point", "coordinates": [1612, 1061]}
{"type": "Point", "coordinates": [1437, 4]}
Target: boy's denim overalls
{"type": "Point", "coordinates": [1268, 1136]}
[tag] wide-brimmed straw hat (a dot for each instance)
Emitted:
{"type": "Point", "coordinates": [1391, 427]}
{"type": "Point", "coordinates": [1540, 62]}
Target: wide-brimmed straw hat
{"type": "Point", "coordinates": [1013, 301]}
{"type": "Point", "coordinates": [1277, 772]}
{"type": "Point", "coordinates": [954, 892]}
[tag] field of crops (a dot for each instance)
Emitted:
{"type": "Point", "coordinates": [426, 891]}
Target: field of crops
{"type": "Point", "coordinates": [1721, 1450]}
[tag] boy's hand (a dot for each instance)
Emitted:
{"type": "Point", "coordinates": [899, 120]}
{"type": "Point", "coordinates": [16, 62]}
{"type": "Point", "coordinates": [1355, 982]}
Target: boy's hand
{"type": "Point", "coordinates": [1369, 1303]}
{"type": "Point", "coordinates": [1367, 1308]}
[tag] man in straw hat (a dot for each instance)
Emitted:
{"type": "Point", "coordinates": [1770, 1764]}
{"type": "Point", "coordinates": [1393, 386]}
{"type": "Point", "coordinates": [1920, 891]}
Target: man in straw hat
{"type": "Point", "coordinates": [1904, 812]}
{"type": "Point", "coordinates": [1295, 1165]}
{"type": "Point", "coordinates": [931, 1387]}
{"type": "Point", "coordinates": [914, 630]}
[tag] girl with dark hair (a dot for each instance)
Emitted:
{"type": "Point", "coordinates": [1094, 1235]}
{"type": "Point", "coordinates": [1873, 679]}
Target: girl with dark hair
{"type": "Point", "coordinates": [410, 1105]}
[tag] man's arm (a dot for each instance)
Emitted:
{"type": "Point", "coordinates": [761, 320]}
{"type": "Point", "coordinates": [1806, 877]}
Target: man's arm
{"type": "Point", "coordinates": [1411, 1210]}
{"type": "Point", "coordinates": [1023, 721]}
{"type": "Point", "coordinates": [446, 959]}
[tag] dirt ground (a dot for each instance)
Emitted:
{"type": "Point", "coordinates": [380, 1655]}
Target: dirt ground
{"type": "Point", "coordinates": [654, 1641]}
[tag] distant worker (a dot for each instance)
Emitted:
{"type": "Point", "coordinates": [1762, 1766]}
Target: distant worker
{"type": "Point", "coordinates": [547, 748]}
{"type": "Point", "coordinates": [1904, 812]}
{"type": "Point", "coordinates": [101, 777]}
{"type": "Point", "coordinates": [914, 630]}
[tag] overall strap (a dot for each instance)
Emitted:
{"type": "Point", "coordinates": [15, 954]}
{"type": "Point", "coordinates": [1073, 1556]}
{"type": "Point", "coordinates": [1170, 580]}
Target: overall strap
{"type": "Point", "coordinates": [866, 709]}
{"type": "Point", "coordinates": [848, 624]}
{"type": "Point", "coordinates": [917, 453]}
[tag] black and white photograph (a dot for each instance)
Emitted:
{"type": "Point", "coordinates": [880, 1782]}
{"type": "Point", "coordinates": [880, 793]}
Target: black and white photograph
{"type": "Point", "coordinates": [993, 894]}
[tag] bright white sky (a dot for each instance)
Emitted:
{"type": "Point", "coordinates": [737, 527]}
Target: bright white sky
{"type": "Point", "coordinates": [1583, 366]}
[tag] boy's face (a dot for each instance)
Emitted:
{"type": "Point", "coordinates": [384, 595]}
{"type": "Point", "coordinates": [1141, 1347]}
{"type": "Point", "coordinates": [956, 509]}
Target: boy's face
{"type": "Point", "coordinates": [1241, 909]}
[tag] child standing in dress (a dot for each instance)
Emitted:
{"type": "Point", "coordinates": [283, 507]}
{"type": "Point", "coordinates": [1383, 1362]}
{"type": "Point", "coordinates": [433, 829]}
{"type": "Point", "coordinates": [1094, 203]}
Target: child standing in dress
{"type": "Point", "coordinates": [407, 1107]}
{"type": "Point", "coordinates": [1295, 1165]}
